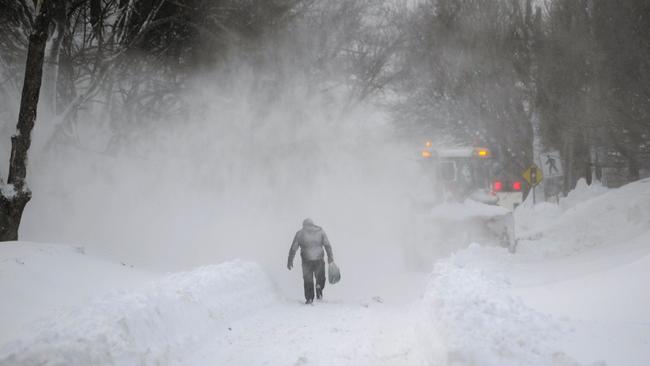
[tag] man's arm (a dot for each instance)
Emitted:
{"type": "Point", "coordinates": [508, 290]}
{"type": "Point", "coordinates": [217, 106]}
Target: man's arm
{"type": "Point", "coordinates": [328, 248]}
{"type": "Point", "coordinates": [292, 251]}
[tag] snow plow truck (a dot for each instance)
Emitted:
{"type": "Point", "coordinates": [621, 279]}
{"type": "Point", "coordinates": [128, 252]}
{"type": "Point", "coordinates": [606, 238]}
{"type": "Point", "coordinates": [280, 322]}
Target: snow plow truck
{"type": "Point", "coordinates": [462, 198]}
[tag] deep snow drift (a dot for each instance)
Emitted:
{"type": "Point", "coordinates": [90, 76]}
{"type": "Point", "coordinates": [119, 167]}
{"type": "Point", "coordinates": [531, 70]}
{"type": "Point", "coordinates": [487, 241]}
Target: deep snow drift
{"type": "Point", "coordinates": [37, 280]}
{"type": "Point", "coordinates": [574, 293]}
{"type": "Point", "coordinates": [154, 324]}
{"type": "Point", "coordinates": [230, 313]}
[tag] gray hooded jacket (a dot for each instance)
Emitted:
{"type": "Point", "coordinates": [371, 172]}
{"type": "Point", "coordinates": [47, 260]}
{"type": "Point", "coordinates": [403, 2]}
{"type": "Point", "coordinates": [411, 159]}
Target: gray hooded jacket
{"type": "Point", "coordinates": [311, 240]}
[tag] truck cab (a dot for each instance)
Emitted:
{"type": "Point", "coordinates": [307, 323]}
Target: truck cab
{"type": "Point", "coordinates": [470, 172]}
{"type": "Point", "coordinates": [460, 199]}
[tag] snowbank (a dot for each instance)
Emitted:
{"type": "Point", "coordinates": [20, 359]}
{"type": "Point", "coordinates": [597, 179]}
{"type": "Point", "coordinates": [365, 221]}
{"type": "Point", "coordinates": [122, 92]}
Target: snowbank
{"type": "Point", "coordinates": [147, 326]}
{"type": "Point", "coordinates": [39, 279]}
{"type": "Point", "coordinates": [589, 217]}
{"type": "Point", "coordinates": [574, 293]}
{"type": "Point", "coordinates": [482, 323]}
{"type": "Point", "coordinates": [582, 192]}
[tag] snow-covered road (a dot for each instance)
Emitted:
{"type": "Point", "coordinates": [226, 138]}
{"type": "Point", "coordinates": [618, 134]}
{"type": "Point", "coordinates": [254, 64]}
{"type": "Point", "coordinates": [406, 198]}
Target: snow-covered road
{"type": "Point", "coordinates": [292, 333]}
{"type": "Point", "coordinates": [227, 314]}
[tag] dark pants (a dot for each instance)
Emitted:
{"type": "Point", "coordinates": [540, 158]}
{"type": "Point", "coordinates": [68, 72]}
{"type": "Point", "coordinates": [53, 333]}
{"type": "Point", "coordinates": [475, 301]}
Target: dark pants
{"type": "Point", "coordinates": [311, 269]}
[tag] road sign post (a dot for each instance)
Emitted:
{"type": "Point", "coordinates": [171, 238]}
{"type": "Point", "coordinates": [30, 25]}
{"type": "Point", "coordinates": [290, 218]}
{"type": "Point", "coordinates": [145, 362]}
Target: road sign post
{"type": "Point", "coordinates": [533, 175]}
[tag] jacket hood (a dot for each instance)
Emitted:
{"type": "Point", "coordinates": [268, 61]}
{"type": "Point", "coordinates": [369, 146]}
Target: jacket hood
{"type": "Point", "coordinates": [308, 225]}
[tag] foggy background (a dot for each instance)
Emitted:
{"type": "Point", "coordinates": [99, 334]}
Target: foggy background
{"type": "Point", "coordinates": [229, 182]}
{"type": "Point", "coordinates": [176, 134]}
{"type": "Point", "coordinates": [230, 165]}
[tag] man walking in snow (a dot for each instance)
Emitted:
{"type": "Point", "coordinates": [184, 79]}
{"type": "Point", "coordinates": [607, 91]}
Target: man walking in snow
{"type": "Point", "coordinates": [311, 240]}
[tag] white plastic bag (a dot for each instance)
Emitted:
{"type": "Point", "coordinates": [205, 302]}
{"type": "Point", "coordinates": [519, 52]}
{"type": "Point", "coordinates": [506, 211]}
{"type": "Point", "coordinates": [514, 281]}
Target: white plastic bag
{"type": "Point", "coordinates": [333, 273]}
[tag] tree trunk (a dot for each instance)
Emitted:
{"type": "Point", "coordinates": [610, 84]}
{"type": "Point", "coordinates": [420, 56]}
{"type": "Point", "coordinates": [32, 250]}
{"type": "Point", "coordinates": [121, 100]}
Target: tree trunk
{"type": "Point", "coordinates": [16, 194]}
{"type": "Point", "coordinates": [11, 211]}
{"type": "Point", "coordinates": [568, 165]}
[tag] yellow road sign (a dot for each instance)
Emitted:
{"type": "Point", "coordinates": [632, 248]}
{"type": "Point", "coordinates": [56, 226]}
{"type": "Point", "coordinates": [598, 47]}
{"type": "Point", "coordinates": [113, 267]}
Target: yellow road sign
{"type": "Point", "coordinates": [533, 175]}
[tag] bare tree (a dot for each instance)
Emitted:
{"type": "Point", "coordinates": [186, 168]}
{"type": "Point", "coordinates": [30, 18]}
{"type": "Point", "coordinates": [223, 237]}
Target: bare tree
{"type": "Point", "coordinates": [16, 194]}
{"type": "Point", "coordinates": [465, 77]}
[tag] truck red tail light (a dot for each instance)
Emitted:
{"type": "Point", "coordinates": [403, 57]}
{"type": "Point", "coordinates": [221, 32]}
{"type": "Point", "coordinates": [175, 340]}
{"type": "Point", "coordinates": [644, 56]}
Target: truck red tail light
{"type": "Point", "coordinates": [516, 185]}
{"type": "Point", "coordinates": [497, 186]}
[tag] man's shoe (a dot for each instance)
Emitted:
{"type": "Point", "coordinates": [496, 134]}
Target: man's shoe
{"type": "Point", "coordinates": [309, 302]}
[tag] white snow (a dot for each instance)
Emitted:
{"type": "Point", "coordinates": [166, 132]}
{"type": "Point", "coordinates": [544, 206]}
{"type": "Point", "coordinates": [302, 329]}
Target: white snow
{"type": "Point", "coordinates": [482, 323]}
{"type": "Point", "coordinates": [575, 293]}
{"type": "Point", "coordinates": [229, 313]}
{"type": "Point", "coordinates": [581, 193]}
{"type": "Point", "coordinates": [291, 333]}
{"type": "Point", "coordinates": [8, 190]}
{"type": "Point", "coordinates": [37, 280]}
{"type": "Point", "coordinates": [152, 325]}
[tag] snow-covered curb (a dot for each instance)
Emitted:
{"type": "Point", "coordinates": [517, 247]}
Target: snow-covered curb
{"type": "Point", "coordinates": [150, 326]}
{"type": "Point", "coordinates": [481, 323]}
